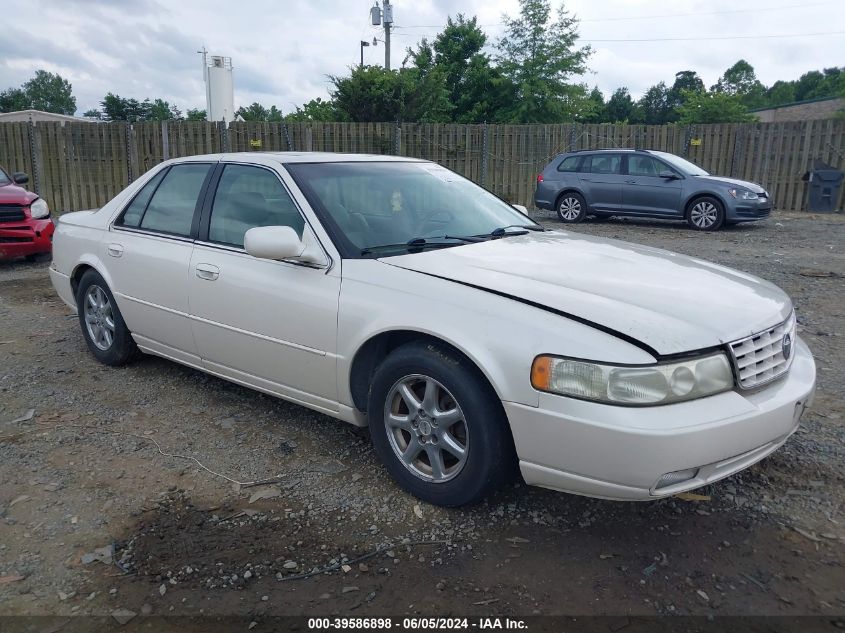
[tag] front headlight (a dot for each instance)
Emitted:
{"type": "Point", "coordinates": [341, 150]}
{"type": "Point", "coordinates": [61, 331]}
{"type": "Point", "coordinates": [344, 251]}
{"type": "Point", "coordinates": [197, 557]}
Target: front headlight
{"type": "Point", "coordinates": [743, 194]}
{"type": "Point", "coordinates": [663, 383]}
{"type": "Point", "coordinates": [39, 209]}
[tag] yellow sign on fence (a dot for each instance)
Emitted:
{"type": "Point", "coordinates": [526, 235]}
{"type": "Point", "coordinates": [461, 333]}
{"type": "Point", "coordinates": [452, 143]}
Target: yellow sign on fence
{"type": "Point", "coordinates": [695, 141]}
{"type": "Point", "coordinates": [256, 143]}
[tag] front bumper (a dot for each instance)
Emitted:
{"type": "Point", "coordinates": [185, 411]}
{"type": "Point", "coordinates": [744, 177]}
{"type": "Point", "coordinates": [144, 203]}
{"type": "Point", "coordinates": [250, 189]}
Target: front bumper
{"type": "Point", "coordinates": [748, 210]}
{"type": "Point", "coordinates": [27, 237]}
{"type": "Point", "coordinates": [620, 453]}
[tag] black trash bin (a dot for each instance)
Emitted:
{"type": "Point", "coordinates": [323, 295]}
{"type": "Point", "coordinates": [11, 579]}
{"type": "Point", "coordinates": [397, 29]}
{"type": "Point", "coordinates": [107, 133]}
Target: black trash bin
{"type": "Point", "coordinates": [824, 182]}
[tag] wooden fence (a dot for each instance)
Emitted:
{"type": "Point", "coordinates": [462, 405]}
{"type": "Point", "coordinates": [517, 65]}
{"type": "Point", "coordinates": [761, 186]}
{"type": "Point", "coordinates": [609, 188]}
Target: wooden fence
{"type": "Point", "coordinates": [82, 165]}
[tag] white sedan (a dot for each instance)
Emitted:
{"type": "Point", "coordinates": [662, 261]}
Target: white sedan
{"type": "Point", "coordinates": [393, 293]}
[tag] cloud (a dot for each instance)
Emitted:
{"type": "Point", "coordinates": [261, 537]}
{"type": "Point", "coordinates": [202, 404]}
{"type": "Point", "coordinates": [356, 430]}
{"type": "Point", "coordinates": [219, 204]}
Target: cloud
{"type": "Point", "coordinates": [282, 52]}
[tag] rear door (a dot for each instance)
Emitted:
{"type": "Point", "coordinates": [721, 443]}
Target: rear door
{"type": "Point", "coordinates": [602, 179]}
{"type": "Point", "coordinates": [147, 253]}
{"type": "Point", "coordinates": [646, 192]}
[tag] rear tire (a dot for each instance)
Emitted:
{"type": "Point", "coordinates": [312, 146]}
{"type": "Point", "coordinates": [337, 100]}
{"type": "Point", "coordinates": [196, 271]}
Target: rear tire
{"type": "Point", "coordinates": [571, 207]}
{"type": "Point", "coordinates": [438, 426]}
{"type": "Point", "coordinates": [705, 214]}
{"type": "Point", "coordinates": [102, 325]}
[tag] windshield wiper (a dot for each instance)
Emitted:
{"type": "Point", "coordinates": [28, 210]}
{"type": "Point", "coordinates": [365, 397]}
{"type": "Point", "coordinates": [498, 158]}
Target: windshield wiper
{"type": "Point", "coordinates": [503, 230]}
{"type": "Point", "coordinates": [421, 243]}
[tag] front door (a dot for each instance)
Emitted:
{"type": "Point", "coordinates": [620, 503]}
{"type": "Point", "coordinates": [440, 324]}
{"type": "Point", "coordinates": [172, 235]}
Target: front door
{"type": "Point", "coordinates": [269, 324]}
{"type": "Point", "coordinates": [646, 192]}
{"type": "Point", "coordinates": [147, 254]}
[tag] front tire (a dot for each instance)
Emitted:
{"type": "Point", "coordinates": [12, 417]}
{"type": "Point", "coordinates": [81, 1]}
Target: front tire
{"type": "Point", "coordinates": [438, 426]}
{"type": "Point", "coordinates": [706, 214]}
{"type": "Point", "coordinates": [102, 325]}
{"type": "Point", "coordinates": [571, 207]}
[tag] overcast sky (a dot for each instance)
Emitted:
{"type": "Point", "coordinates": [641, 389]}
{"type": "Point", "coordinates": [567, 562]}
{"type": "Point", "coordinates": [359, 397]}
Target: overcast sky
{"type": "Point", "coordinates": [283, 50]}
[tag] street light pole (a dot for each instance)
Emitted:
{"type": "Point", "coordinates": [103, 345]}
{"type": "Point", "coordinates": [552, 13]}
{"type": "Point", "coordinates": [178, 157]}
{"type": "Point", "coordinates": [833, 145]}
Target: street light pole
{"type": "Point", "coordinates": [363, 44]}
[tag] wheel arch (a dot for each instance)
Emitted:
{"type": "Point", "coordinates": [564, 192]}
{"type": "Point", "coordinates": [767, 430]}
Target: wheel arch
{"type": "Point", "coordinates": [376, 348]}
{"type": "Point", "coordinates": [695, 197]}
{"type": "Point", "coordinates": [569, 189]}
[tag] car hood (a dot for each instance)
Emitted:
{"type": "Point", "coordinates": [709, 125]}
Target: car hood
{"type": "Point", "coordinates": [751, 186]}
{"type": "Point", "coordinates": [12, 194]}
{"type": "Point", "coordinates": [671, 303]}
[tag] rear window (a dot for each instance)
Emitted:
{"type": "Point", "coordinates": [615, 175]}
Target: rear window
{"type": "Point", "coordinates": [570, 163]}
{"type": "Point", "coordinates": [602, 164]}
{"type": "Point", "coordinates": [171, 209]}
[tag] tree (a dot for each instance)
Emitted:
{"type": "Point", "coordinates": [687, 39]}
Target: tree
{"type": "Point", "coordinates": [780, 92]}
{"type": "Point", "coordinates": [315, 110]}
{"type": "Point", "coordinates": [619, 107]}
{"type": "Point", "coordinates": [712, 107]}
{"type": "Point", "coordinates": [594, 107]}
{"type": "Point", "coordinates": [373, 94]}
{"type": "Point", "coordinates": [477, 91]}
{"type": "Point", "coordinates": [254, 112]}
{"type": "Point", "coordinates": [539, 55]}
{"type": "Point", "coordinates": [686, 82]}
{"type": "Point", "coordinates": [194, 114]}
{"type": "Point", "coordinates": [13, 100]}
{"type": "Point", "coordinates": [741, 80]}
{"type": "Point", "coordinates": [160, 110]}
{"type": "Point", "coordinates": [654, 108]}
{"type": "Point", "coordinates": [50, 92]}
{"type": "Point", "coordinates": [93, 114]}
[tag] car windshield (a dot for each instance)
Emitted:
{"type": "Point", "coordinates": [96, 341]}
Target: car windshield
{"type": "Point", "coordinates": [4, 179]}
{"type": "Point", "coordinates": [389, 208]}
{"type": "Point", "coordinates": [690, 169]}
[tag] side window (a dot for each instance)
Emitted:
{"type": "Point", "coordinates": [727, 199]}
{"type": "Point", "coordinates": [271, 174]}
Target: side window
{"type": "Point", "coordinates": [603, 164]}
{"type": "Point", "coordinates": [248, 197]}
{"type": "Point", "coordinates": [570, 163]}
{"type": "Point", "coordinates": [171, 209]}
{"type": "Point", "coordinates": [135, 210]}
{"type": "Point", "coordinates": [644, 166]}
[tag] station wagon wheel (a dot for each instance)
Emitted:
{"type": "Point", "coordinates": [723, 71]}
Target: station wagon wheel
{"type": "Point", "coordinates": [102, 324]}
{"type": "Point", "coordinates": [706, 214]}
{"type": "Point", "coordinates": [571, 207]}
{"type": "Point", "coordinates": [438, 426]}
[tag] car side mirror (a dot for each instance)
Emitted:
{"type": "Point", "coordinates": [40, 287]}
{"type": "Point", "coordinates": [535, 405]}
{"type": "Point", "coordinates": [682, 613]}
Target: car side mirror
{"type": "Point", "coordinates": [520, 208]}
{"type": "Point", "coordinates": [20, 178]}
{"type": "Point", "coordinates": [668, 175]}
{"type": "Point", "coordinates": [282, 242]}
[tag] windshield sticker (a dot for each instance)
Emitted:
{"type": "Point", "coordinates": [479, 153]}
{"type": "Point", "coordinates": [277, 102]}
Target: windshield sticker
{"type": "Point", "coordinates": [441, 172]}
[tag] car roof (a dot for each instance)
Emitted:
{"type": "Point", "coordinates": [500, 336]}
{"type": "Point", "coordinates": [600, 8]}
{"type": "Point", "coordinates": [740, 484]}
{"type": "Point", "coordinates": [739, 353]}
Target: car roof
{"type": "Point", "coordinates": [296, 157]}
{"type": "Point", "coordinates": [627, 150]}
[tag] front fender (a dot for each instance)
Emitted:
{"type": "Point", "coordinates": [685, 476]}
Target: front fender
{"type": "Point", "coordinates": [502, 336]}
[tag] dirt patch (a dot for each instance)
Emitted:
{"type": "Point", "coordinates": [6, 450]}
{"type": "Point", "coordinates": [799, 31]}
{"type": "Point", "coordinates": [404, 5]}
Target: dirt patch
{"type": "Point", "coordinates": [94, 467]}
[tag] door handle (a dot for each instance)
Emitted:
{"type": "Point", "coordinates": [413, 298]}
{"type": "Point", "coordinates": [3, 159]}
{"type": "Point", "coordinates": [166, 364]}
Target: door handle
{"type": "Point", "coordinates": [115, 250]}
{"type": "Point", "coordinates": [631, 182]}
{"type": "Point", "coordinates": [208, 272]}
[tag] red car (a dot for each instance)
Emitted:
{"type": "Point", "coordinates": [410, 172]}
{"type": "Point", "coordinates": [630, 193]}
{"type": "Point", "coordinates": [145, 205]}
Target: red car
{"type": "Point", "coordinates": [26, 228]}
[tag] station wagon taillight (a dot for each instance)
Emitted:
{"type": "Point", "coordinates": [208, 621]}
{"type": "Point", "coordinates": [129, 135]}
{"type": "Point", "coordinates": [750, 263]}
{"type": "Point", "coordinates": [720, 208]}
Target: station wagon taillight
{"type": "Point", "coordinates": [539, 178]}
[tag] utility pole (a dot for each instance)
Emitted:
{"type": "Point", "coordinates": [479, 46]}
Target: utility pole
{"type": "Point", "coordinates": [382, 16]}
{"type": "Point", "coordinates": [387, 18]}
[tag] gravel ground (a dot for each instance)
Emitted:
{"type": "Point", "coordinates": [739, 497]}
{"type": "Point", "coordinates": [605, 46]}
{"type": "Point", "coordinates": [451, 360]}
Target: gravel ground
{"type": "Point", "coordinates": [97, 515]}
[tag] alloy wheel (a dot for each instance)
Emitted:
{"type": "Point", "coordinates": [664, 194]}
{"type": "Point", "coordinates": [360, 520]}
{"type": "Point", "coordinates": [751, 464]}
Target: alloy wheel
{"type": "Point", "coordinates": [704, 214]}
{"type": "Point", "coordinates": [426, 428]}
{"type": "Point", "coordinates": [99, 318]}
{"type": "Point", "coordinates": [570, 208]}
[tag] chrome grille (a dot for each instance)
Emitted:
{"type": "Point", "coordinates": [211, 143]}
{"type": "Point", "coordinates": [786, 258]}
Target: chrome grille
{"type": "Point", "coordinates": [760, 358]}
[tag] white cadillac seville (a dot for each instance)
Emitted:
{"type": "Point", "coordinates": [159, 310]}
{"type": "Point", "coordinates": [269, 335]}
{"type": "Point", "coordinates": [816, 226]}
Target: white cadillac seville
{"type": "Point", "coordinates": [393, 293]}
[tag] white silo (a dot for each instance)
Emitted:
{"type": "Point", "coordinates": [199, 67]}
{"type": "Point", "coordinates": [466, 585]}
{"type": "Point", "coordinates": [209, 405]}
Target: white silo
{"type": "Point", "coordinates": [219, 87]}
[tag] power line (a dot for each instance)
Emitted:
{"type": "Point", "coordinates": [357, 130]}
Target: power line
{"type": "Point", "coordinates": [726, 37]}
{"type": "Point", "coordinates": [687, 15]}
{"type": "Point", "coordinates": [653, 17]}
